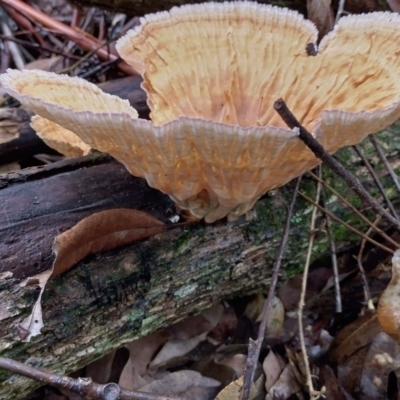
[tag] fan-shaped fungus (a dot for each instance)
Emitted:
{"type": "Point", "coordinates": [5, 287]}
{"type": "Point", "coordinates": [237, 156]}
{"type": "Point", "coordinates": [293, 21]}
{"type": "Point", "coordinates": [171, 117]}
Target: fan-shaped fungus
{"type": "Point", "coordinates": [212, 73]}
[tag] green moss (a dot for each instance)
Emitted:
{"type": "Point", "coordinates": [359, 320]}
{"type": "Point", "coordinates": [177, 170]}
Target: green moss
{"type": "Point", "coordinates": [4, 375]}
{"type": "Point", "coordinates": [182, 242]}
{"type": "Point", "coordinates": [392, 193]}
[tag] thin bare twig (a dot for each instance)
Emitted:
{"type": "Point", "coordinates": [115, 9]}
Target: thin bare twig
{"type": "Point", "coordinates": [83, 39]}
{"type": "Point", "coordinates": [15, 51]}
{"type": "Point", "coordinates": [339, 11]}
{"type": "Point", "coordinates": [385, 162]}
{"type": "Point", "coordinates": [81, 60]}
{"type": "Point", "coordinates": [351, 180]}
{"type": "Point", "coordinates": [24, 22]}
{"type": "Point", "coordinates": [338, 298]}
{"type": "Point", "coordinates": [368, 165]}
{"type": "Point", "coordinates": [349, 227]}
{"type": "Point", "coordinates": [82, 386]}
{"type": "Point", "coordinates": [313, 393]}
{"type": "Point", "coordinates": [348, 204]}
{"type": "Point", "coordinates": [37, 46]}
{"type": "Point", "coordinates": [367, 292]}
{"type": "Point", "coordinates": [255, 346]}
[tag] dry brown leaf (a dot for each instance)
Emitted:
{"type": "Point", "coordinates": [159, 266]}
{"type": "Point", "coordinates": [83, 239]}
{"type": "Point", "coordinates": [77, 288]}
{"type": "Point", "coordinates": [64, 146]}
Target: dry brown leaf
{"type": "Point", "coordinates": [225, 328]}
{"type": "Point", "coordinates": [130, 378]}
{"type": "Point", "coordinates": [14, 166]}
{"type": "Point", "coordinates": [286, 385]}
{"type": "Point", "coordinates": [353, 337]}
{"type": "Point", "coordinates": [141, 352]}
{"type": "Point", "coordinates": [186, 384]}
{"type": "Point", "coordinates": [237, 362]}
{"type": "Point", "coordinates": [101, 231]}
{"type": "Point", "coordinates": [234, 391]}
{"type": "Point", "coordinates": [333, 389]}
{"type": "Point", "coordinates": [51, 64]}
{"type": "Point", "coordinates": [194, 326]}
{"type": "Point", "coordinates": [220, 372]}
{"type": "Point", "coordinates": [383, 357]}
{"type": "Point", "coordinates": [394, 5]}
{"type": "Point", "coordinates": [276, 317]}
{"type": "Point", "coordinates": [8, 131]}
{"type": "Point", "coordinates": [254, 307]}
{"type": "Point", "coordinates": [10, 120]}
{"type": "Point", "coordinates": [320, 12]}
{"type": "Point", "coordinates": [99, 370]}
{"type": "Point", "coordinates": [289, 293]}
{"type": "Point", "coordinates": [273, 365]}
{"type": "Point", "coordinates": [175, 348]}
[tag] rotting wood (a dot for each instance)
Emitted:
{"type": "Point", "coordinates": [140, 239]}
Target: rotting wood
{"type": "Point", "coordinates": [110, 299]}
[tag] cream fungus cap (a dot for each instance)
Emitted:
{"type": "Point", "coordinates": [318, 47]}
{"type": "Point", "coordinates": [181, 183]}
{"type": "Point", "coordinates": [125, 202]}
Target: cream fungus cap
{"type": "Point", "coordinates": [212, 73]}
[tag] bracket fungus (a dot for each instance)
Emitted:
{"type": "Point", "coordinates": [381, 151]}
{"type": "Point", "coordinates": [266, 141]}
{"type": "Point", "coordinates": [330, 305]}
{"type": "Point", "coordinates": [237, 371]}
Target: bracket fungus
{"type": "Point", "coordinates": [212, 73]}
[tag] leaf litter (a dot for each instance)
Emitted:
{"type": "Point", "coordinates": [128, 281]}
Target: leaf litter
{"type": "Point", "coordinates": [99, 232]}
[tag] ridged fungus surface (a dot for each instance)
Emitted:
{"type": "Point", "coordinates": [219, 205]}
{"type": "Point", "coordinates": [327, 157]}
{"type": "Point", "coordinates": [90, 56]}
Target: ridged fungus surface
{"type": "Point", "coordinates": [212, 73]}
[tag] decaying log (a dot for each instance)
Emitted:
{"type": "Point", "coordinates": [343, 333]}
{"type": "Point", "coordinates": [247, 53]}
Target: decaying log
{"type": "Point", "coordinates": [110, 299]}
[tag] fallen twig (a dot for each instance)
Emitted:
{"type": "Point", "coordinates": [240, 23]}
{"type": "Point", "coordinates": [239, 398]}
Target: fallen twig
{"type": "Point", "coordinates": [367, 292]}
{"type": "Point", "coordinates": [352, 181]}
{"type": "Point", "coordinates": [378, 184]}
{"type": "Point", "coordinates": [255, 346]}
{"type": "Point", "coordinates": [349, 227]}
{"type": "Point", "coordinates": [385, 162]}
{"type": "Point", "coordinates": [83, 39]}
{"type": "Point", "coordinates": [348, 204]}
{"type": "Point", "coordinates": [82, 386]}
{"type": "Point", "coordinates": [315, 394]}
{"type": "Point", "coordinates": [332, 245]}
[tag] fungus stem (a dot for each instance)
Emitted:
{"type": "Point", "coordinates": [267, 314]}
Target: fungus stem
{"type": "Point", "coordinates": [352, 181]}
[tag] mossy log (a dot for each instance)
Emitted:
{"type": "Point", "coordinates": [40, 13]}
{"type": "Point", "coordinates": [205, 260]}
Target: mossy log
{"type": "Point", "coordinates": [110, 299]}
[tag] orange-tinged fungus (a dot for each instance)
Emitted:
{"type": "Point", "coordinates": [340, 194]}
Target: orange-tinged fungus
{"type": "Point", "coordinates": [212, 73]}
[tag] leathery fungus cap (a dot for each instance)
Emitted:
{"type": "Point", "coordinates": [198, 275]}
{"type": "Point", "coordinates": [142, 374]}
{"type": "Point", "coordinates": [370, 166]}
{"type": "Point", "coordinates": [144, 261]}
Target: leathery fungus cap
{"type": "Point", "coordinates": [212, 73]}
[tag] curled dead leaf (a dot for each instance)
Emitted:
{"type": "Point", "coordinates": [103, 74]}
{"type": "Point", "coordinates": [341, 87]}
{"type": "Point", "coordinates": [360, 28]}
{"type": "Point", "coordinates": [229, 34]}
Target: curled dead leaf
{"type": "Point", "coordinates": [101, 231]}
{"type": "Point", "coordinates": [320, 12]}
{"type": "Point", "coordinates": [353, 337]}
